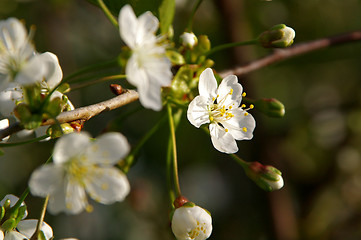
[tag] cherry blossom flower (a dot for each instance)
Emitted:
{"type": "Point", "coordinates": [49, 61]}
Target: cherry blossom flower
{"type": "Point", "coordinates": [191, 223]}
{"type": "Point", "coordinates": [25, 229]}
{"type": "Point", "coordinates": [19, 63]}
{"type": "Point", "coordinates": [82, 166]}
{"type": "Point", "coordinates": [148, 68]}
{"type": "Point", "coordinates": [220, 107]}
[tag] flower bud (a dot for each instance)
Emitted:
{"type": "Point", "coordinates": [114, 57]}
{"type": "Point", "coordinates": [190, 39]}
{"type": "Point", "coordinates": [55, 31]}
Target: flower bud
{"type": "Point", "coordinates": [191, 222]}
{"type": "Point", "coordinates": [2, 213]}
{"type": "Point", "coordinates": [188, 40]}
{"type": "Point", "coordinates": [9, 224]}
{"type": "Point", "coordinates": [271, 107]}
{"type": "Point", "coordinates": [279, 36]}
{"type": "Point", "coordinates": [175, 57]}
{"type": "Point", "coordinates": [266, 177]}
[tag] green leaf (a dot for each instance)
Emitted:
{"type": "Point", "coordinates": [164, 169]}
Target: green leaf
{"type": "Point", "coordinates": [166, 15]}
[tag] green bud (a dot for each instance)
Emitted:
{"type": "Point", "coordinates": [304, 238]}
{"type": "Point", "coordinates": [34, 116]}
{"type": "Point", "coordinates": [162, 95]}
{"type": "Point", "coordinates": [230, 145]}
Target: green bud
{"type": "Point", "coordinates": [279, 36]}
{"type": "Point", "coordinates": [21, 213]}
{"type": "Point", "coordinates": [29, 121]}
{"type": "Point", "coordinates": [54, 107]}
{"type": "Point", "coordinates": [266, 177]}
{"type": "Point", "coordinates": [175, 57]}
{"type": "Point", "coordinates": [9, 224]}
{"type": "Point", "coordinates": [32, 95]}
{"type": "Point", "coordinates": [7, 203]}
{"type": "Point", "coordinates": [180, 84]}
{"type": "Point", "coordinates": [2, 213]}
{"type": "Point", "coordinates": [204, 45]}
{"type": "Point", "coordinates": [55, 131]}
{"type": "Point", "coordinates": [271, 107]}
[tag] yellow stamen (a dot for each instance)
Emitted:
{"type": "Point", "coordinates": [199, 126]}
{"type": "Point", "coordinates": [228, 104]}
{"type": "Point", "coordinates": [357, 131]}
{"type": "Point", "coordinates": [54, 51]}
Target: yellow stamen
{"type": "Point", "coordinates": [246, 114]}
{"type": "Point", "coordinates": [244, 94]}
{"type": "Point", "coordinates": [244, 129]}
{"type": "Point", "coordinates": [243, 105]}
{"type": "Point", "coordinates": [211, 118]}
{"type": "Point", "coordinates": [251, 106]}
{"type": "Point", "coordinates": [231, 92]}
{"type": "Point", "coordinates": [226, 129]}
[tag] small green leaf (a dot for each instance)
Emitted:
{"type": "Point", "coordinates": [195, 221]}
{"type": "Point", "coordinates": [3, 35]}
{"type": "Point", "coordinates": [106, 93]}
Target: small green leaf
{"type": "Point", "coordinates": [166, 15]}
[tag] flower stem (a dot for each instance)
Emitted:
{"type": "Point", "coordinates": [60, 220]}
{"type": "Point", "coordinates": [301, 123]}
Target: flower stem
{"type": "Point", "coordinates": [174, 147]}
{"type": "Point", "coordinates": [108, 13]}
{"type": "Point", "coordinates": [130, 158]}
{"type": "Point", "coordinates": [103, 79]}
{"type": "Point", "coordinates": [191, 18]}
{"type": "Point", "coordinates": [20, 201]}
{"type": "Point", "coordinates": [41, 219]}
{"type": "Point", "coordinates": [169, 174]}
{"type": "Point", "coordinates": [86, 69]}
{"type": "Point", "coordinates": [23, 142]}
{"type": "Point", "coordinates": [230, 45]}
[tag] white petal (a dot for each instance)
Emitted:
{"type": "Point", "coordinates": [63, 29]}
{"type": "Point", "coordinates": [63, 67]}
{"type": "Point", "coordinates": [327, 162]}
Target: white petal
{"type": "Point", "coordinates": [13, 200]}
{"type": "Point", "coordinates": [128, 25]}
{"type": "Point", "coordinates": [53, 72]}
{"type": "Point", "coordinates": [108, 149]}
{"type": "Point", "coordinates": [222, 141]}
{"type": "Point", "coordinates": [236, 125]}
{"type": "Point", "coordinates": [197, 112]}
{"type": "Point", "coordinates": [8, 97]}
{"type": "Point", "coordinates": [69, 146]}
{"type": "Point", "coordinates": [32, 72]}
{"type": "Point", "coordinates": [14, 235]}
{"type": "Point", "coordinates": [56, 202]}
{"type": "Point", "coordinates": [46, 179]}
{"type": "Point", "coordinates": [147, 26]}
{"type": "Point", "coordinates": [190, 222]}
{"type": "Point", "coordinates": [207, 84]}
{"type": "Point", "coordinates": [4, 123]}
{"type": "Point", "coordinates": [75, 198]}
{"type": "Point", "coordinates": [149, 93]}
{"type": "Point", "coordinates": [1, 235]}
{"type": "Point", "coordinates": [224, 89]}
{"type": "Point", "coordinates": [28, 227]}
{"type": "Point", "coordinates": [108, 185]}
{"type": "Point", "coordinates": [13, 34]}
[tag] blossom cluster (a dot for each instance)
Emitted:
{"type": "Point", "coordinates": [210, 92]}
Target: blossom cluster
{"type": "Point", "coordinates": [82, 166]}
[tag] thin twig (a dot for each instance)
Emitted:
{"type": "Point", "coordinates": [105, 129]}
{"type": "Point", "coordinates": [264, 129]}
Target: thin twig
{"type": "Point", "coordinates": [297, 49]}
{"type": "Point", "coordinates": [83, 113]}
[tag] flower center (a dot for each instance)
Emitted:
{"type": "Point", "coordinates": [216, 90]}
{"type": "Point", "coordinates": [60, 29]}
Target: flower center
{"type": "Point", "coordinates": [201, 227]}
{"type": "Point", "coordinates": [77, 169]}
{"type": "Point", "coordinates": [218, 111]}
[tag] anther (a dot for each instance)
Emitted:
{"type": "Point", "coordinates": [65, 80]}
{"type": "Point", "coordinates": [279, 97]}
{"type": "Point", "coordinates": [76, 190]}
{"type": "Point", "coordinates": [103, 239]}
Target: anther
{"type": "Point", "coordinates": [244, 94]}
{"type": "Point", "coordinates": [251, 106]}
{"type": "Point", "coordinates": [243, 105]}
{"type": "Point", "coordinates": [246, 114]}
{"type": "Point", "coordinates": [244, 129]}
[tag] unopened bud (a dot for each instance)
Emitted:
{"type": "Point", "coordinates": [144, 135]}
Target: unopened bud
{"type": "Point", "coordinates": [266, 177]}
{"type": "Point", "coordinates": [271, 107]}
{"type": "Point", "coordinates": [175, 57]}
{"type": "Point", "coordinates": [188, 40]}
{"type": "Point", "coordinates": [9, 224]}
{"type": "Point", "coordinates": [279, 36]}
{"type": "Point", "coordinates": [180, 201]}
{"type": "Point", "coordinates": [2, 213]}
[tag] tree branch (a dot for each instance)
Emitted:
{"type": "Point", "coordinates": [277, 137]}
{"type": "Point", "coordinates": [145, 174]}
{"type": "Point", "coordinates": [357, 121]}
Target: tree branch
{"type": "Point", "coordinates": [83, 113]}
{"type": "Point", "coordinates": [295, 50]}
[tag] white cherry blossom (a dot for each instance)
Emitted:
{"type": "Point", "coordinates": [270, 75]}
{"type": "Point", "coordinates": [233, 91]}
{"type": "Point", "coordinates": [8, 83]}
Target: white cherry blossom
{"type": "Point", "coordinates": [148, 68]}
{"type": "Point", "coordinates": [82, 166]}
{"type": "Point", "coordinates": [220, 108]}
{"type": "Point", "coordinates": [191, 223]}
{"type": "Point", "coordinates": [19, 63]}
{"type": "Point", "coordinates": [25, 228]}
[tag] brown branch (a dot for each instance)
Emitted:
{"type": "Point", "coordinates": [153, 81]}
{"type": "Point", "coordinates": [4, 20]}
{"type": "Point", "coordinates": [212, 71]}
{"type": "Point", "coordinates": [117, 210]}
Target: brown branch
{"type": "Point", "coordinates": [295, 50]}
{"type": "Point", "coordinates": [83, 113]}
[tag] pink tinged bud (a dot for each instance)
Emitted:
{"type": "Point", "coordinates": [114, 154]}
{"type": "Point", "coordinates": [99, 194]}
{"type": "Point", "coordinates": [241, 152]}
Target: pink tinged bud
{"type": "Point", "coordinates": [266, 177]}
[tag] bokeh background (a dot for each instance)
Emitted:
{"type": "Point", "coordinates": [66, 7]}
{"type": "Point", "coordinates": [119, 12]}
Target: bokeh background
{"type": "Point", "coordinates": [316, 145]}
